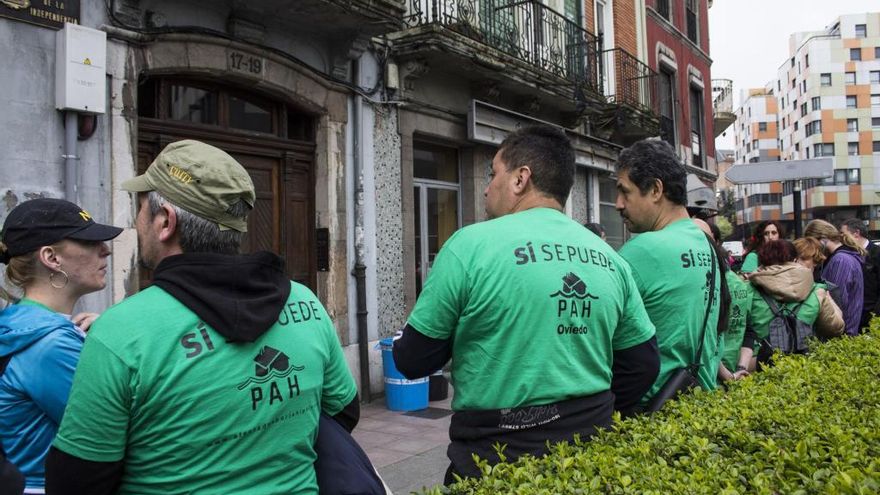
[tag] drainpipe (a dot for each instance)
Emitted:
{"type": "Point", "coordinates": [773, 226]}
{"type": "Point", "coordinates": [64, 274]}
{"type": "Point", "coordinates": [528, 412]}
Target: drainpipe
{"type": "Point", "coordinates": [71, 161]}
{"type": "Point", "coordinates": [360, 269]}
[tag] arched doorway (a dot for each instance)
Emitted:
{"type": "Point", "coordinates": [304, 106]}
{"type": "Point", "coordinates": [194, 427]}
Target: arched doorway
{"type": "Point", "coordinates": [272, 140]}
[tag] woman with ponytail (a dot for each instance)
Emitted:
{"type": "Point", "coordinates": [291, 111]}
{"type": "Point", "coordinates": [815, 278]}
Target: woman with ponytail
{"type": "Point", "coordinates": [843, 268]}
{"type": "Point", "coordinates": [54, 253]}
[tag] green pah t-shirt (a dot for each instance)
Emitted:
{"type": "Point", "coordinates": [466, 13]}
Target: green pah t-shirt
{"type": "Point", "coordinates": [535, 304]}
{"type": "Point", "coordinates": [672, 270]}
{"type": "Point", "coordinates": [188, 412]}
{"type": "Point", "coordinates": [740, 305]}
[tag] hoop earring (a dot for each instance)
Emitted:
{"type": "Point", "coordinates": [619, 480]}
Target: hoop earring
{"type": "Point", "coordinates": [52, 282]}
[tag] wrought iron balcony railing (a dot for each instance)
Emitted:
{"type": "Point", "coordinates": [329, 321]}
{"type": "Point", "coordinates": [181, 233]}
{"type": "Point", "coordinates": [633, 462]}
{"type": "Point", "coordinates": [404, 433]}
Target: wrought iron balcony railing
{"type": "Point", "coordinates": [628, 81]}
{"type": "Point", "coordinates": [525, 29]}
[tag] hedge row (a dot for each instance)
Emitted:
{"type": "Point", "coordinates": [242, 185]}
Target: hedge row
{"type": "Point", "coordinates": [807, 425]}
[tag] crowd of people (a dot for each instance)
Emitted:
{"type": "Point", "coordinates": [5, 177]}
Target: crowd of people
{"type": "Point", "coordinates": [215, 378]}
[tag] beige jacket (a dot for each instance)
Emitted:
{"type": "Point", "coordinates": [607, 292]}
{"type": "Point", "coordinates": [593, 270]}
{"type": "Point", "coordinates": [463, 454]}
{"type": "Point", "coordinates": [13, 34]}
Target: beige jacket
{"type": "Point", "coordinates": [792, 282]}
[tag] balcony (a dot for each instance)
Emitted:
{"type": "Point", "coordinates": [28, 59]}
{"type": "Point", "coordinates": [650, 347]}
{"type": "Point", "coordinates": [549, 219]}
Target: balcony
{"type": "Point", "coordinates": [524, 47]}
{"type": "Point", "coordinates": [722, 104]}
{"type": "Point", "coordinates": [631, 89]}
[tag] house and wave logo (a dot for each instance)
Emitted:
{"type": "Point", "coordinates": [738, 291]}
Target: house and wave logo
{"type": "Point", "coordinates": [270, 364]}
{"type": "Point", "coordinates": [573, 287]}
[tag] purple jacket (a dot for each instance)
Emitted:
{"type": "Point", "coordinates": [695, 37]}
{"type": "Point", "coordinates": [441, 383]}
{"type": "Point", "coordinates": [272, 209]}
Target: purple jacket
{"type": "Point", "coordinates": [844, 268]}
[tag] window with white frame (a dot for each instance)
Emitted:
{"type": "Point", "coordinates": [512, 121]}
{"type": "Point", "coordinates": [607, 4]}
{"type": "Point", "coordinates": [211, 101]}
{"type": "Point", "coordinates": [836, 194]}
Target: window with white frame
{"type": "Point", "coordinates": [817, 103]}
{"type": "Point", "coordinates": [852, 125]}
{"type": "Point", "coordinates": [826, 79]}
{"type": "Point", "coordinates": [692, 8]}
{"type": "Point", "coordinates": [852, 148]}
{"type": "Point", "coordinates": [861, 31]}
{"type": "Point", "coordinates": [874, 77]}
{"type": "Point", "coordinates": [855, 53]}
{"type": "Point", "coordinates": [849, 78]}
{"type": "Point", "coordinates": [851, 101]}
{"type": "Point", "coordinates": [823, 149]}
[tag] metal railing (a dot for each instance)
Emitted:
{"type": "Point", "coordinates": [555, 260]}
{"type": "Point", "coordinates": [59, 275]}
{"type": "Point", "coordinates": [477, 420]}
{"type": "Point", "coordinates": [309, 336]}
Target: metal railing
{"type": "Point", "coordinates": [722, 96]}
{"type": "Point", "coordinates": [633, 83]}
{"type": "Point", "coordinates": [525, 29]}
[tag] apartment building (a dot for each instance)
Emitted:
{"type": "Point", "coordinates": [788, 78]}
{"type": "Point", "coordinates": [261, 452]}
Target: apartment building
{"type": "Point", "coordinates": [827, 104]}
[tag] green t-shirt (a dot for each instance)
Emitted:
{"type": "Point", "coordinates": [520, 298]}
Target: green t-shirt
{"type": "Point", "coordinates": [761, 314]}
{"type": "Point", "coordinates": [671, 268]}
{"type": "Point", "coordinates": [750, 263]}
{"type": "Point", "coordinates": [189, 413]}
{"type": "Point", "coordinates": [740, 305]}
{"type": "Point", "coordinates": [534, 304]}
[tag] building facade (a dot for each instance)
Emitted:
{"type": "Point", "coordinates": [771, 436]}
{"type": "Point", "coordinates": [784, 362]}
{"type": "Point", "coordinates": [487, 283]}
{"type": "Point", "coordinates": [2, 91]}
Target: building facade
{"type": "Point", "coordinates": [369, 142]}
{"type": "Point", "coordinates": [678, 50]}
{"type": "Point", "coordinates": [827, 101]}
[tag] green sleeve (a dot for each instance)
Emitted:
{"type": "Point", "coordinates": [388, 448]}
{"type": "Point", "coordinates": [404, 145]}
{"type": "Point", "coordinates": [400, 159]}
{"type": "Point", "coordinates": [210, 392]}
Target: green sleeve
{"type": "Point", "coordinates": [95, 423]}
{"type": "Point", "coordinates": [750, 264]}
{"type": "Point", "coordinates": [339, 388]}
{"type": "Point", "coordinates": [443, 297]}
{"type": "Point", "coordinates": [635, 326]}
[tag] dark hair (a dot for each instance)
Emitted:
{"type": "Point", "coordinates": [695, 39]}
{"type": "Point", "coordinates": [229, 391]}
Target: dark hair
{"type": "Point", "coordinates": [757, 239]}
{"type": "Point", "coordinates": [595, 228]}
{"type": "Point", "coordinates": [548, 153]}
{"type": "Point", "coordinates": [854, 224]}
{"type": "Point", "coordinates": [716, 233]}
{"type": "Point", "coordinates": [775, 253]}
{"type": "Point", "coordinates": [649, 160]}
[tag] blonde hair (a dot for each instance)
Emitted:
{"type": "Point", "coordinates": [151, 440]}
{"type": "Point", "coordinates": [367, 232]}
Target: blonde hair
{"type": "Point", "coordinates": [21, 271]}
{"type": "Point", "coordinates": [820, 229]}
{"type": "Point", "coordinates": [809, 248]}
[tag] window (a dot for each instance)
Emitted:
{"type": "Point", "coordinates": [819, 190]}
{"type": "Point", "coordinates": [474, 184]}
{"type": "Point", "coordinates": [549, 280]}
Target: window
{"type": "Point", "coordinates": [662, 7]}
{"type": "Point", "coordinates": [794, 104]}
{"type": "Point", "coordinates": [823, 149]}
{"type": "Point", "coordinates": [436, 203]}
{"type": "Point", "coordinates": [814, 127]}
{"type": "Point", "coordinates": [793, 82]}
{"type": "Point", "coordinates": [861, 31]}
{"type": "Point", "coordinates": [875, 100]}
{"type": "Point", "coordinates": [825, 79]}
{"type": "Point", "coordinates": [852, 149]}
{"type": "Point", "coordinates": [850, 78]}
{"type": "Point", "coordinates": [778, 85]}
{"type": "Point", "coordinates": [615, 234]}
{"type": "Point", "coordinates": [748, 147]}
{"type": "Point", "coordinates": [875, 122]}
{"type": "Point", "coordinates": [851, 101]}
{"type": "Point", "coordinates": [852, 125]}
{"type": "Point", "coordinates": [754, 144]}
{"type": "Point", "coordinates": [762, 126]}
{"type": "Point", "coordinates": [692, 9]}
{"type": "Point", "coordinates": [876, 146]}
{"type": "Point", "coordinates": [795, 126]}
{"type": "Point", "coordinates": [804, 86]}
{"type": "Point", "coordinates": [876, 52]}
{"type": "Point", "coordinates": [803, 109]}
{"type": "Point", "coordinates": [852, 176]}
{"type": "Point", "coordinates": [797, 146]}
{"type": "Point", "coordinates": [855, 53]}
{"type": "Point", "coordinates": [874, 77]}
{"type": "Point", "coordinates": [192, 104]}
{"type": "Point", "coordinates": [696, 104]}
{"type": "Point", "coordinates": [807, 60]}
{"type": "Point", "coordinates": [667, 107]}
{"type": "Point", "coordinates": [817, 103]}
{"type": "Point", "coordinates": [842, 177]}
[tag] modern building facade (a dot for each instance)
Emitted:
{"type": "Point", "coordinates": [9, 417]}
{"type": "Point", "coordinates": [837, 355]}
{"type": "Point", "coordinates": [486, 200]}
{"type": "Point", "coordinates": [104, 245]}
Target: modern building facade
{"type": "Point", "coordinates": [827, 101]}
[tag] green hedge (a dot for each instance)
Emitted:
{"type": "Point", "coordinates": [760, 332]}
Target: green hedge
{"type": "Point", "coordinates": [807, 425]}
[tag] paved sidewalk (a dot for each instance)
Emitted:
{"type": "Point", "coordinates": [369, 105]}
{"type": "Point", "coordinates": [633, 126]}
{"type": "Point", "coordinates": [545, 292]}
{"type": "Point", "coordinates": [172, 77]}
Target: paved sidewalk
{"type": "Point", "coordinates": [408, 449]}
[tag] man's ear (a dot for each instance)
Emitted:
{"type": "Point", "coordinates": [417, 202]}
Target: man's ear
{"type": "Point", "coordinates": [168, 227]}
{"type": "Point", "coordinates": [656, 191]}
{"type": "Point", "coordinates": [523, 176]}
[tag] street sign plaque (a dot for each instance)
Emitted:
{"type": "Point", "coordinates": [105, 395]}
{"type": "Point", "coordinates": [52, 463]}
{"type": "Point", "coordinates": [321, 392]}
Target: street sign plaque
{"type": "Point", "coordinates": [765, 172]}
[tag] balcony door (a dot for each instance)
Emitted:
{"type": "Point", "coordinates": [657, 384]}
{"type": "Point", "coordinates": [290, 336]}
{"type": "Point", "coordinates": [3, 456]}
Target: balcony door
{"type": "Point", "coordinates": [437, 199]}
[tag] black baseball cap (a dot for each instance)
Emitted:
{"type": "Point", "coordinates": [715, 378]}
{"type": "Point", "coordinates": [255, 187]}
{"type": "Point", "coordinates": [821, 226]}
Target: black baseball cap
{"type": "Point", "coordinates": [45, 221]}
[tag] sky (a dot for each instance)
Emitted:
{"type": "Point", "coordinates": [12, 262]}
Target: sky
{"type": "Point", "coordinates": [748, 39]}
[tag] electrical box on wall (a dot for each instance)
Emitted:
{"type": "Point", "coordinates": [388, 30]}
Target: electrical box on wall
{"type": "Point", "coordinates": [80, 72]}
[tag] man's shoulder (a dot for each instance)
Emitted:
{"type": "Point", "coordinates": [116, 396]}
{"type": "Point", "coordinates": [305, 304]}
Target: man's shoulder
{"type": "Point", "coordinates": [143, 301]}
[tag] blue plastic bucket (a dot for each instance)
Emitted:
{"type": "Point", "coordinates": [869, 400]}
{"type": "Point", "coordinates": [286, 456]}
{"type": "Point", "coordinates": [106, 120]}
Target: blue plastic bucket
{"type": "Point", "coordinates": [401, 394]}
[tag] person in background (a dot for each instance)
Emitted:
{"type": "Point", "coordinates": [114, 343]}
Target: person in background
{"type": "Point", "coordinates": [791, 285]}
{"type": "Point", "coordinates": [768, 230]}
{"type": "Point", "coordinates": [596, 228]}
{"type": "Point", "coordinates": [843, 267]}
{"type": "Point", "coordinates": [871, 269]}
{"type": "Point", "coordinates": [54, 253]}
{"type": "Point", "coordinates": [211, 380]}
{"type": "Point", "coordinates": [542, 320]}
{"type": "Point", "coordinates": [671, 261]}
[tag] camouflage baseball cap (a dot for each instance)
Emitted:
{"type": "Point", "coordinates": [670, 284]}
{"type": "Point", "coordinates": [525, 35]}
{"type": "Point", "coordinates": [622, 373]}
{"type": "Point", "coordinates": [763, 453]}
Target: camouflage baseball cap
{"type": "Point", "coordinates": [199, 178]}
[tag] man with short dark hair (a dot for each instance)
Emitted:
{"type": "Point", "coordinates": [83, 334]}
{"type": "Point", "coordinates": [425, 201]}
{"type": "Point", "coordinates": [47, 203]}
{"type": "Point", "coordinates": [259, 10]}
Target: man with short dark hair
{"type": "Point", "coordinates": [544, 325]}
{"type": "Point", "coordinates": [212, 379]}
{"type": "Point", "coordinates": [671, 260]}
{"type": "Point", "coordinates": [870, 269]}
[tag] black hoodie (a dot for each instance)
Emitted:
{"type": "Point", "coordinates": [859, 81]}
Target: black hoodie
{"type": "Point", "coordinates": [239, 296]}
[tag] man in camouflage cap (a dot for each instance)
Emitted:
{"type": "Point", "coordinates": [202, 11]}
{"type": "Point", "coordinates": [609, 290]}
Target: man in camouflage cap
{"type": "Point", "coordinates": [212, 379]}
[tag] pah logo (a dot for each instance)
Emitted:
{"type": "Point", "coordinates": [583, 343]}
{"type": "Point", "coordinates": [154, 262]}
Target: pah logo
{"type": "Point", "coordinates": [272, 367]}
{"type": "Point", "coordinates": [573, 299]}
